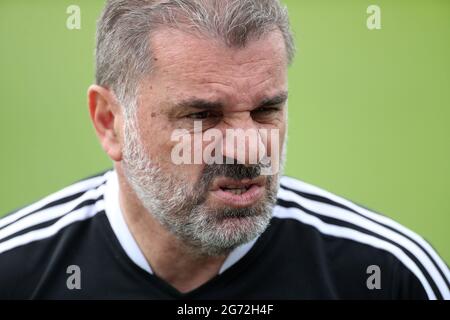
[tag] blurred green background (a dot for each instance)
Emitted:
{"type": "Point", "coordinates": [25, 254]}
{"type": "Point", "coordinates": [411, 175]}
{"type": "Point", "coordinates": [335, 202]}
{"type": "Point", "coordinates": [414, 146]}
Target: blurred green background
{"type": "Point", "coordinates": [369, 109]}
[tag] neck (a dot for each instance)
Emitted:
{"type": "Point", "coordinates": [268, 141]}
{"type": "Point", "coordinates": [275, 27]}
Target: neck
{"type": "Point", "coordinates": [170, 259]}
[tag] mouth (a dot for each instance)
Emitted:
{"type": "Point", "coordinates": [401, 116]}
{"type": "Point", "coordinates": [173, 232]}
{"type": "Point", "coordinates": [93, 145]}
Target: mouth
{"type": "Point", "coordinates": [238, 193]}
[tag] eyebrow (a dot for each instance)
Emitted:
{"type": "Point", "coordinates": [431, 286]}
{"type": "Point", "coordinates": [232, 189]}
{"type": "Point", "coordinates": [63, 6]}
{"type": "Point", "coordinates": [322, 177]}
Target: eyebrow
{"type": "Point", "coordinates": [197, 103]}
{"type": "Point", "coordinates": [279, 98]}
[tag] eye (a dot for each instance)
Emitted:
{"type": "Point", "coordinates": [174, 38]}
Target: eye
{"type": "Point", "coordinates": [200, 115]}
{"type": "Point", "coordinates": [266, 110]}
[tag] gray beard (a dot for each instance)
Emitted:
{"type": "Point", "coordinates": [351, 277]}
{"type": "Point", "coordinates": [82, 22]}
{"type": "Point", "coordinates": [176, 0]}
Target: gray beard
{"type": "Point", "coordinates": [182, 210]}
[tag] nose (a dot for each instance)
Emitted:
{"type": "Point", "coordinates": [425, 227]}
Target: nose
{"type": "Point", "coordinates": [243, 142]}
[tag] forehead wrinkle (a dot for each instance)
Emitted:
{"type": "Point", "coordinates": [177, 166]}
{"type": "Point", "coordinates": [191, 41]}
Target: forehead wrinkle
{"type": "Point", "coordinates": [227, 80]}
{"type": "Point", "coordinates": [241, 93]}
{"type": "Point", "coordinates": [235, 76]}
{"type": "Point", "coordinates": [227, 74]}
{"type": "Point", "coordinates": [166, 47]}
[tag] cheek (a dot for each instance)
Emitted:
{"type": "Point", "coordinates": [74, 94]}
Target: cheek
{"type": "Point", "coordinates": [190, 173]}
{"type": "Point", "coordinates": [167, 153]}
{"type": "Point", "coordinates": [155, 139]}
{"type": "Point", "coordinates": [276, 137]}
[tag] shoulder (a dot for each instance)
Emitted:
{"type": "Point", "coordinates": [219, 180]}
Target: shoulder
{"type": "Point", "coordinates": [30, 236]}
{"type": "Point", "coordinates": [363, 233]}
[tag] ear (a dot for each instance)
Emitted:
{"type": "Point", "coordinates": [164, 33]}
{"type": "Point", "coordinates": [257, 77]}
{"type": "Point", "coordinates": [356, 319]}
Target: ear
{"type": "Point", "coordinates": [106, 116]}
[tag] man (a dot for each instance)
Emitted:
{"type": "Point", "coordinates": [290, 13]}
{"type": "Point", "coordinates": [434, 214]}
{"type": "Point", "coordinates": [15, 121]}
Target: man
{"type": "Point", "coordinates": [227, 226]}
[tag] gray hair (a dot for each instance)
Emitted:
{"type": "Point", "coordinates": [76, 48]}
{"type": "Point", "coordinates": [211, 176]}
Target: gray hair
{"type": "Point", "coordinates": [123, 54]}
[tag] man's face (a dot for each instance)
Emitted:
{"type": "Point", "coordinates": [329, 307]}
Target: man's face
{"type": "Point", "coordinates": [211, 207]}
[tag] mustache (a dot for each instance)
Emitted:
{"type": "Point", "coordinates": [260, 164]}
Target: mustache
{"type": "Point", "coordinates": [234, 171]}
{"type": "Point", "coordinates": [199, 192]}
{"type": "Point", "coordinates": [231, 170]}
